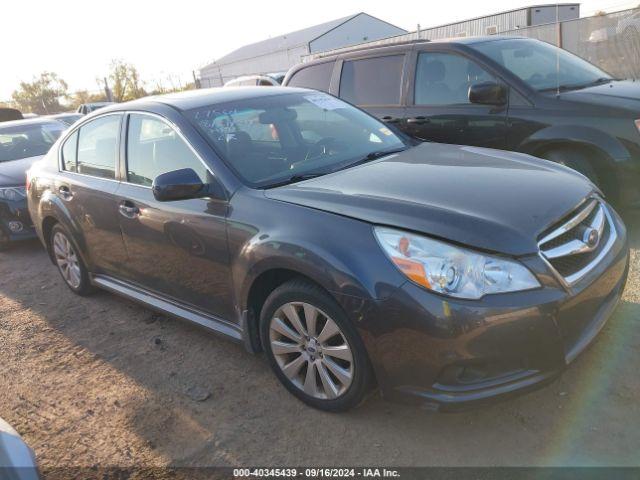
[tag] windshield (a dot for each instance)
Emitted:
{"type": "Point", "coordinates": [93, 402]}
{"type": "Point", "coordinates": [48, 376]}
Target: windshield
{"type": "Point", "coordinates": [29, 140]}
{"type": "Point", "coordinates": [536, 63]}
{"type": "Point", "coordinates": [270, 140]}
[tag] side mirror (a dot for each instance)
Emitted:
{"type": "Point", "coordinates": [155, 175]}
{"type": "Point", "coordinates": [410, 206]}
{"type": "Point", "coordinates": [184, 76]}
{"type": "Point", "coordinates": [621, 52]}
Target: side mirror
{"type": "Point", "coordinates": [488, 93]}
{"type": "Point", "coordinates": [178, 185]}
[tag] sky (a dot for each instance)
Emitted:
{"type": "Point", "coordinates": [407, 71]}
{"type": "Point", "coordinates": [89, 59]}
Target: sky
{"type": "Point", "coordinates": [167, 40]}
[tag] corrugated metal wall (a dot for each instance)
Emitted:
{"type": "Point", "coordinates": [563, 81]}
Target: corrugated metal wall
{"type": "Point", "coordinates": [503, 22]}
{"type": "Point", "coordinates": [348, 33]}
{"type": "Point", "coordinates": [215, 75]}
{"type": "Point", "coordinates": [552, 14]}
{"type": "Point", "coordinates": [506, 23]}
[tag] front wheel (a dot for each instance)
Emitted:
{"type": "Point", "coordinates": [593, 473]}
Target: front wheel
{"type": "Point", "coordinates": [575, 160]}
{"type": "Point", "coordinates": [313, 348]}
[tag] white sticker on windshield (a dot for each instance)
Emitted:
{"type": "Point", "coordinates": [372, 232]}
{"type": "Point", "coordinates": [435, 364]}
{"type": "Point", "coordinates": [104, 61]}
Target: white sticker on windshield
{"type": "Point", "coordinates": [327, 102]}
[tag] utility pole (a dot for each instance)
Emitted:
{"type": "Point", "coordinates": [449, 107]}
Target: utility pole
{"type": "Point", "coordinates": [107, 91]}
{"type": "Point", "coordinates": [196, 82]}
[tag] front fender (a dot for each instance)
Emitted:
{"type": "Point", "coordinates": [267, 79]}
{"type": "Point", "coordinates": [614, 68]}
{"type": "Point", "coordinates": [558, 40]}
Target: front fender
{"type": "Point", "coordinates": [577, 135]}
{"type": "Point", "coordinates": [338, 253]}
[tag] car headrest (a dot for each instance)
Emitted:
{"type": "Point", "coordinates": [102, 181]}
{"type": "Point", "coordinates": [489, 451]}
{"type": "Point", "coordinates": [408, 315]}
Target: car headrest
{"type": "Point", "coordinates": [434, 71]}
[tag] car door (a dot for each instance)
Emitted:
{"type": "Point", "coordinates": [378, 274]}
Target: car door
{"type": "Point", "coordinates": [177, 249]}
{"type": "Point", "coordinates": [375, 83]}
{"type": "Point", "coordinates": [87, 186]}
{"type": "Point", "coordinates": [439, 109]}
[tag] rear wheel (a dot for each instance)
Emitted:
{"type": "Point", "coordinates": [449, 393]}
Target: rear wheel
{"type": "Point", "coordinates": [70, 265]}
{"type": "Point", "coordinates": [575, 160]}
{"type": "Point", "coordinates": [313, 348]}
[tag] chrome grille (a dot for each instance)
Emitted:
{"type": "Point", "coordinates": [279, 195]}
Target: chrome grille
{"type": "Point", "coordinates": [577, 244]}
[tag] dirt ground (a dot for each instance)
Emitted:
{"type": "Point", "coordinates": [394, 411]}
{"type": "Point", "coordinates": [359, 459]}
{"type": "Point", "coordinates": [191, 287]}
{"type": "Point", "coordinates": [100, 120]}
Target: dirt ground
{"type": "Point", "coordinates": [103, 381]}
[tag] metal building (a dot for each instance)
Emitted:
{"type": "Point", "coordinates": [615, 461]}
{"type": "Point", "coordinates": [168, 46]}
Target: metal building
{"type": "Point", "coordinates": [539, 21]}
{"type": "Point", "coordinates": [280, 53]}
{"type": "Point", "coordinates": [505, 21]}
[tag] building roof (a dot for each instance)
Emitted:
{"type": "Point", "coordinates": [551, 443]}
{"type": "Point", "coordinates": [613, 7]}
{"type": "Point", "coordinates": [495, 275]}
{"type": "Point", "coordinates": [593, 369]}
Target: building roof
{"type": "Point", "coordinates": [286, 41]}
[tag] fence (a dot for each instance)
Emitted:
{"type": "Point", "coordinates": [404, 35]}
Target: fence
{"type": "Point", "coordinates": [610, 41]}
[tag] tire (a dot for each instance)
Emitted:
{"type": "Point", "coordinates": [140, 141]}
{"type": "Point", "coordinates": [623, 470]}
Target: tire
{"type": "Point", "coordinates": [68, 262]}
{"type": "Point", "coordinates": [338, 380]}
{"type": "Point", "coordinates": [575, 160]}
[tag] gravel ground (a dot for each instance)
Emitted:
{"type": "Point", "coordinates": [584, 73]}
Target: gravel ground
{"type": "Point", "coordinates": [103, 381]}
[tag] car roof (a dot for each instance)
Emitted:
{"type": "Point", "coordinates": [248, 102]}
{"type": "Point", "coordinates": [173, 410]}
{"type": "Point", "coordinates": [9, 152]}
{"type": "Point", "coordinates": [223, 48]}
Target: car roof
{"type": "Point", "coordinates": [191, 99]}
{"type": "Point", "coordinates": [31, 121]}
{"type": "Point", "coordinates": [479, 39]}
{"type": "Point", "coordinates": [408, 44]}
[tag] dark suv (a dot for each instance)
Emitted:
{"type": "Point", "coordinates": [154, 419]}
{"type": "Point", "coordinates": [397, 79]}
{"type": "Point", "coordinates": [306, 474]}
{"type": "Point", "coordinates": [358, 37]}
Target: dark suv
{"type": "Point", "coordinates": [498, 92]}
{"type": "Point", "coordinates": [296, 223]}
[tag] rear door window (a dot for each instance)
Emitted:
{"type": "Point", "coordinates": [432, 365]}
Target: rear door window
{"type": "Point", "coordinates": [317, 77]}
{"type": "Point", "coordinates": [372, 81]}
{"type": "Point", "coordinates": [154, 147]}
{"type": "Point", "coordinates": [98, 147]}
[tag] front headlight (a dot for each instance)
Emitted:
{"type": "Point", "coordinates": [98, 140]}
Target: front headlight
{"type": "Point", "coordinates": [452, 270]}
{"type": "Point", "coordinates": [12, 194]}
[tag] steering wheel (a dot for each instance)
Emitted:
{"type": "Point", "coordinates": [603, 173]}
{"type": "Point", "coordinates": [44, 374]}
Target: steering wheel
{"type": "Point", "coordinates": [324, 147]}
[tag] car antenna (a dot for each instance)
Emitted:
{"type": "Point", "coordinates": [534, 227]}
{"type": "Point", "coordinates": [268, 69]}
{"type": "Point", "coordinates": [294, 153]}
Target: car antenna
{"type": "Point", "coordinates": [559, 30]}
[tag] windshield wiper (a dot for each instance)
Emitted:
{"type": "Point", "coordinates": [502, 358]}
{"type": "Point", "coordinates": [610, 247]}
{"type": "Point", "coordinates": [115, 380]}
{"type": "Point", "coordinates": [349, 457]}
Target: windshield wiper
{"type": "Point", "coordinates": [371, 156]}
{"type": "Point", "coordinates": [308, 176]}
{"type": "Point", "coordinates": [297, 178]}
{"type": "Point", "coordinates": [566, 88]}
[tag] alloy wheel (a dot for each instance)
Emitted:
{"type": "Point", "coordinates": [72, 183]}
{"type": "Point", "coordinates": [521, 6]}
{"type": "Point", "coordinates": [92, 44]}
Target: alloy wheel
{"type": "Point", "coordinates": [311, 350]}
{"type": "Point", "coordinates": [67, 260]}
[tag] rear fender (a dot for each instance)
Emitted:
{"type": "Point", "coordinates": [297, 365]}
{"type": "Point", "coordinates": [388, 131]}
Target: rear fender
{"type": "Point", "coordinates": [51, 206]}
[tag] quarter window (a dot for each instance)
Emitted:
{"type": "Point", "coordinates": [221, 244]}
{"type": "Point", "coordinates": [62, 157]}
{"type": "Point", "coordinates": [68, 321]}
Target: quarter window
{"type": "Point", "coordinates": [317, 77]}
{"type": "Point", "coordinates": [98, 147]}
{"type": "Point", "coordinates": [70, 153]}
{"type": "Point", "coordinates": [153, 148]}
{"type": "Point", "coordinates": [372, 81]}
{"type": "Point", "coordinates": [444, 79]}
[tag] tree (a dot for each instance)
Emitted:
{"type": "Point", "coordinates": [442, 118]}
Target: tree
{"type": "Point", "coordinates": [83, 96]}
{"type": "Point", "coordinates": [125, 82]}
{"type": "Point", "coordinates": [42, 95]}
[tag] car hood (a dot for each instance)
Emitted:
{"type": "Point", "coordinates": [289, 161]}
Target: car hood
{"type": "Point", "coordinates": [489, 199]}
{"type": "Point", "coordinates": [15, 172]}
{"type": "Point", "coordinates": [620, 94]}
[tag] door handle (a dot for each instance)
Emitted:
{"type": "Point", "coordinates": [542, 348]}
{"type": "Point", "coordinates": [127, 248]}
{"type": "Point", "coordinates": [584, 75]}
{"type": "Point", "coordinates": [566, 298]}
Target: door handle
{"type": "Point", "coordinates": [128, 209]}
{"type": "Point", "coordinates": [418, 120]}
{"type": "Point", "coordinates": [390, 119]}
{"type": "Point", "coordinates": [65, 193]}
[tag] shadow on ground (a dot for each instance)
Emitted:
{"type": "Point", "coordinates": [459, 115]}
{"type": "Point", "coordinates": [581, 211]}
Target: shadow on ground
{"type": "Point", "coordinates": [102, 380]}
